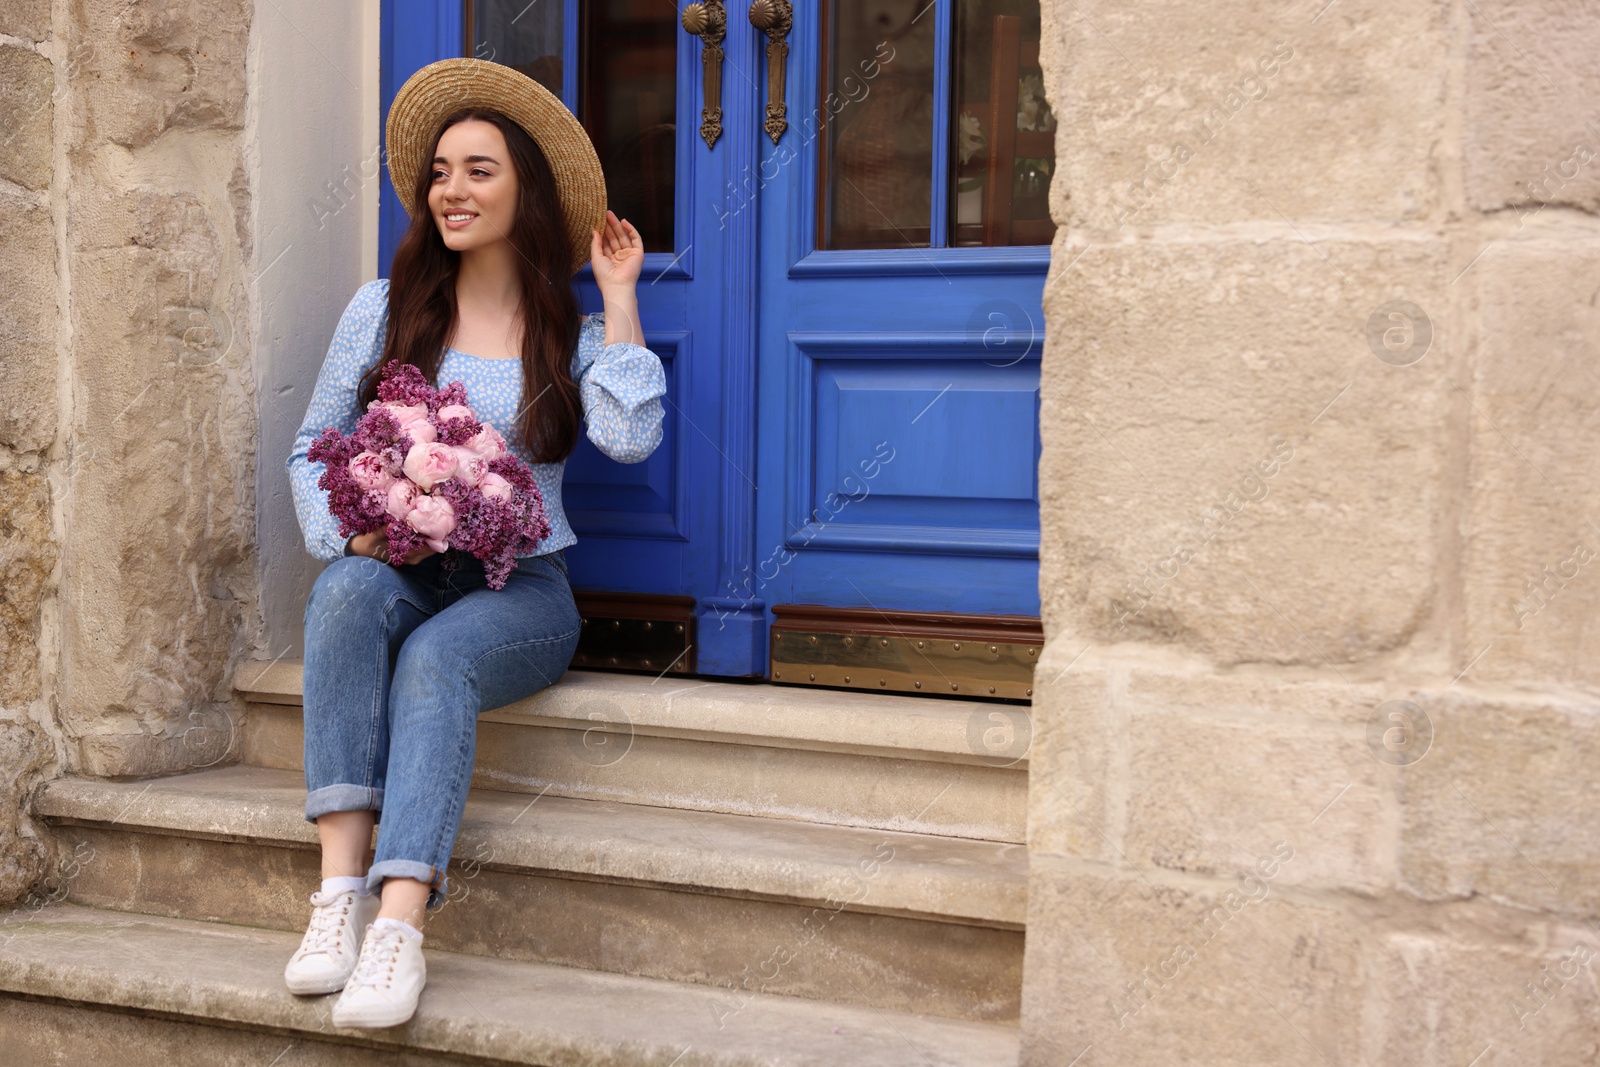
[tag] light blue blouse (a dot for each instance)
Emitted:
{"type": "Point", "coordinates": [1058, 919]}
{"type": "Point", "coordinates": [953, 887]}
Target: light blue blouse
{"type": "Point", "coordinates": [620, 384]}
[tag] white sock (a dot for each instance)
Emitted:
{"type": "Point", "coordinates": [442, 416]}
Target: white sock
{"type": "Point", "coordinates": [345, 883]}
{"type": "Point", "coordinates": [404, 927]}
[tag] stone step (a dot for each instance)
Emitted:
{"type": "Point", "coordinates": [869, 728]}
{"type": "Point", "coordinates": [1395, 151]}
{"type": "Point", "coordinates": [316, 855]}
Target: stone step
{"type": "Point", "coordinates": [905, 921]}
{"type": "Point", "coordinates": [85, 985]}
{"type": "Point", "coordinates": [849, 759]}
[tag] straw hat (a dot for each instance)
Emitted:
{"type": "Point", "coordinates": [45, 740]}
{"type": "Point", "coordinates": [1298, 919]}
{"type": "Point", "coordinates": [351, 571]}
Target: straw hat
{"type": "Point", "coordinates": [451, 84]}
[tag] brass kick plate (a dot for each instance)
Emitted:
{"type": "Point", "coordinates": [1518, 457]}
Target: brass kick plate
{"type": "Point", "coordinates": [656, 645]}
{"type": "Point", "coordinates": [906, 663]}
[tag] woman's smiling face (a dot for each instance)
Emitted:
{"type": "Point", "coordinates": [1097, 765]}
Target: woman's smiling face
{"type": "Point", "coordinates": [473, 193]}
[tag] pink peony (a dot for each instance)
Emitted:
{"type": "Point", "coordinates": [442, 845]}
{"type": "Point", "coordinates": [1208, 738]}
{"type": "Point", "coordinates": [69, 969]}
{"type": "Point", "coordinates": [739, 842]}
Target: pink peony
{"type": "Point", "coordinates": [429, 464]}
{"type": "Point", "coordinates": [413, 420]}
{"type": "Point", "coordinates": [404, 414]}
{"type": "Point", "coordinates": [433, 518]}
{"type": "Point", "coordinates": [403, 496]}
{"type": "Point", "coordinates": [470, 467]}
{"type": "Point", "coordinates": [456, 411]}
{"type": "Point", "coordinates": [371, 471]}
{"type": "Point", "coordinates": [488, 443]}
{"type": "Point", "coordinates": [495, 487]}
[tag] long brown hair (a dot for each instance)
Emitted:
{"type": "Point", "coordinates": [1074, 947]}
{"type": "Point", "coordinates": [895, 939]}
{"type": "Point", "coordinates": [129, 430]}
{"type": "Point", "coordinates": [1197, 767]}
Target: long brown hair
{"type": "Point", "coordinates": [422, 295]}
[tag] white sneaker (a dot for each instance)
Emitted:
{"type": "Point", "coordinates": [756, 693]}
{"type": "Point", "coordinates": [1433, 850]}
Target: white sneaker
{"type": "Point", "coordinates": [387, 981]}
{"type": "Point", "coordinates": [327, 954]}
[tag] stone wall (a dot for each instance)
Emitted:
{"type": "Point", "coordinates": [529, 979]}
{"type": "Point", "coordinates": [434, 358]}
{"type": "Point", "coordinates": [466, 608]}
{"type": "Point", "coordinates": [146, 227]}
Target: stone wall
{"type": "Point", "coordinates": [128, 425]}
{"type": "Point", "coordinates": [1312, 775]}
{"type": "Point", "coordinates": [29, 544]}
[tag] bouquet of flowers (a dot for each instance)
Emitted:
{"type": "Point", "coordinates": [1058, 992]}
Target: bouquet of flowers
{"type": "Point", "coordinates": [422, 466]}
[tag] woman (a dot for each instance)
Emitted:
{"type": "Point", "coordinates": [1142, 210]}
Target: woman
{"type": "Point", "coordinates": [506, 199]}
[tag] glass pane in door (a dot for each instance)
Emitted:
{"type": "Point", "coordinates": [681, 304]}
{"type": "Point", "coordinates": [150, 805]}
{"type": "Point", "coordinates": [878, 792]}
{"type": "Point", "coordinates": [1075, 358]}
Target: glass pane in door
{"type": "Point", "coordinates": [522, 35]}
{"type": "Point", "coordinates": [627, 99]}
{"type": "Point", "coordinates": [1003, 134]}
{"type": "Point", "coordinates": [877, 104]}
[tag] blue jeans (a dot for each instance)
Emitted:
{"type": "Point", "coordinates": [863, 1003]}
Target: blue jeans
{"type": "Point", "coordinates": [399, 663]}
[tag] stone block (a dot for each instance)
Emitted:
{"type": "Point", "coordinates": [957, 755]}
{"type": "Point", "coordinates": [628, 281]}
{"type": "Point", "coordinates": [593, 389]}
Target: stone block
{"type": "Point", "coordinates": [1167, 971]}
{"type": "Point", "coordinates": [1239, 110]}
{"type": "Point", "coordinates": [27, 86]}
{"type": "Point", "coordinates": [1506, 804]}
{"type": "Point", "coordinates": [1228, 465]}
{"type": "Point", "coordinates": [1220, 768]}
{"type": "Point", "coordinates": [204, 736]}
{"type": "Point", "coordinates": [1174, 766]}
{"type": "Point", "coordinates": [1527, 1002]}
{"type": "Point", "coordinates": [1077, 762]}
{"type": "Point", "coordinates": [27, 325]}
{"type": "Point", "coordinates": [1531, 133]}
{"type": "Point", "coordinates": [28, 19]}
{"type": "Point", "coordinates": [175, 66]}
{"type": "Point", "coordinates": [28, 554]}
{"type": "Point", "coordinates": [1532, 539]}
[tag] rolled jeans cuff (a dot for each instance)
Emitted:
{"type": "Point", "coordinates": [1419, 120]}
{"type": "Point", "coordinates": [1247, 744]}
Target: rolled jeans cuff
{"type": "Point", "coordinates": [432, 876]}
{"type": "Point", "coordinates": [342, 797]}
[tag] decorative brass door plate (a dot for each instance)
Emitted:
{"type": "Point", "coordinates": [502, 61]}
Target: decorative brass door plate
{"type": "Point", "coordinates": [974, 656]}
{"type": "Point", "coordinates": [636, 632]}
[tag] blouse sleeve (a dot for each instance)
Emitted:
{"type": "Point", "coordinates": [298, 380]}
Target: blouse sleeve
{"type": "Point", "coordinates": [621, 385]}
{"type": "Point", "coordinates": [357, 345]}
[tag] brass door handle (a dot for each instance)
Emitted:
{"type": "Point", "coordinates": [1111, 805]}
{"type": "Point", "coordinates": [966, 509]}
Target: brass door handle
{"type": "Point", "coordinates": [774, 17]}
{"type": "Point", "coordinates": [707, 20]}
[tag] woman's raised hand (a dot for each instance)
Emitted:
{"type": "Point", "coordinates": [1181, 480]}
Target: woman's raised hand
{"type": "Point", "coordinates": [616, 253]}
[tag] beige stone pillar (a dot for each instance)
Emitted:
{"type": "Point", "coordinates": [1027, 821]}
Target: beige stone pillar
{"type": "Point", "coordinates": [1313, 768]}
{"type": "Point", "coordinates": [128, 433]}
{"type": "Point", "coordinates": [29, 539]}
{"type": "Point", "coordinates": [158, 578]}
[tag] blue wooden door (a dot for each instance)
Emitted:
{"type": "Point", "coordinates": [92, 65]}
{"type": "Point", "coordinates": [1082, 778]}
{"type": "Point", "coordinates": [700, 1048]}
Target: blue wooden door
{"type": "Point", "coordinates": [851, 349]}
{"type": "Point", "coordinates": [900, 319]}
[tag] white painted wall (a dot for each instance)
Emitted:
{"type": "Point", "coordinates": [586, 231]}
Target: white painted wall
{"type": "Point", "coordinates": [314, 90]}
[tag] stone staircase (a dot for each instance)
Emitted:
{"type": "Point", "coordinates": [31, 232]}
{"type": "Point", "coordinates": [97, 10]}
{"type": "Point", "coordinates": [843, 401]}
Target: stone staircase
{"type": "Point", "coordinates": [665, 872]}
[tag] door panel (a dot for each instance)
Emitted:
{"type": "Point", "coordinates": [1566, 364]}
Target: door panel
{"type": "Point", "coordinates": [877, 403]}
